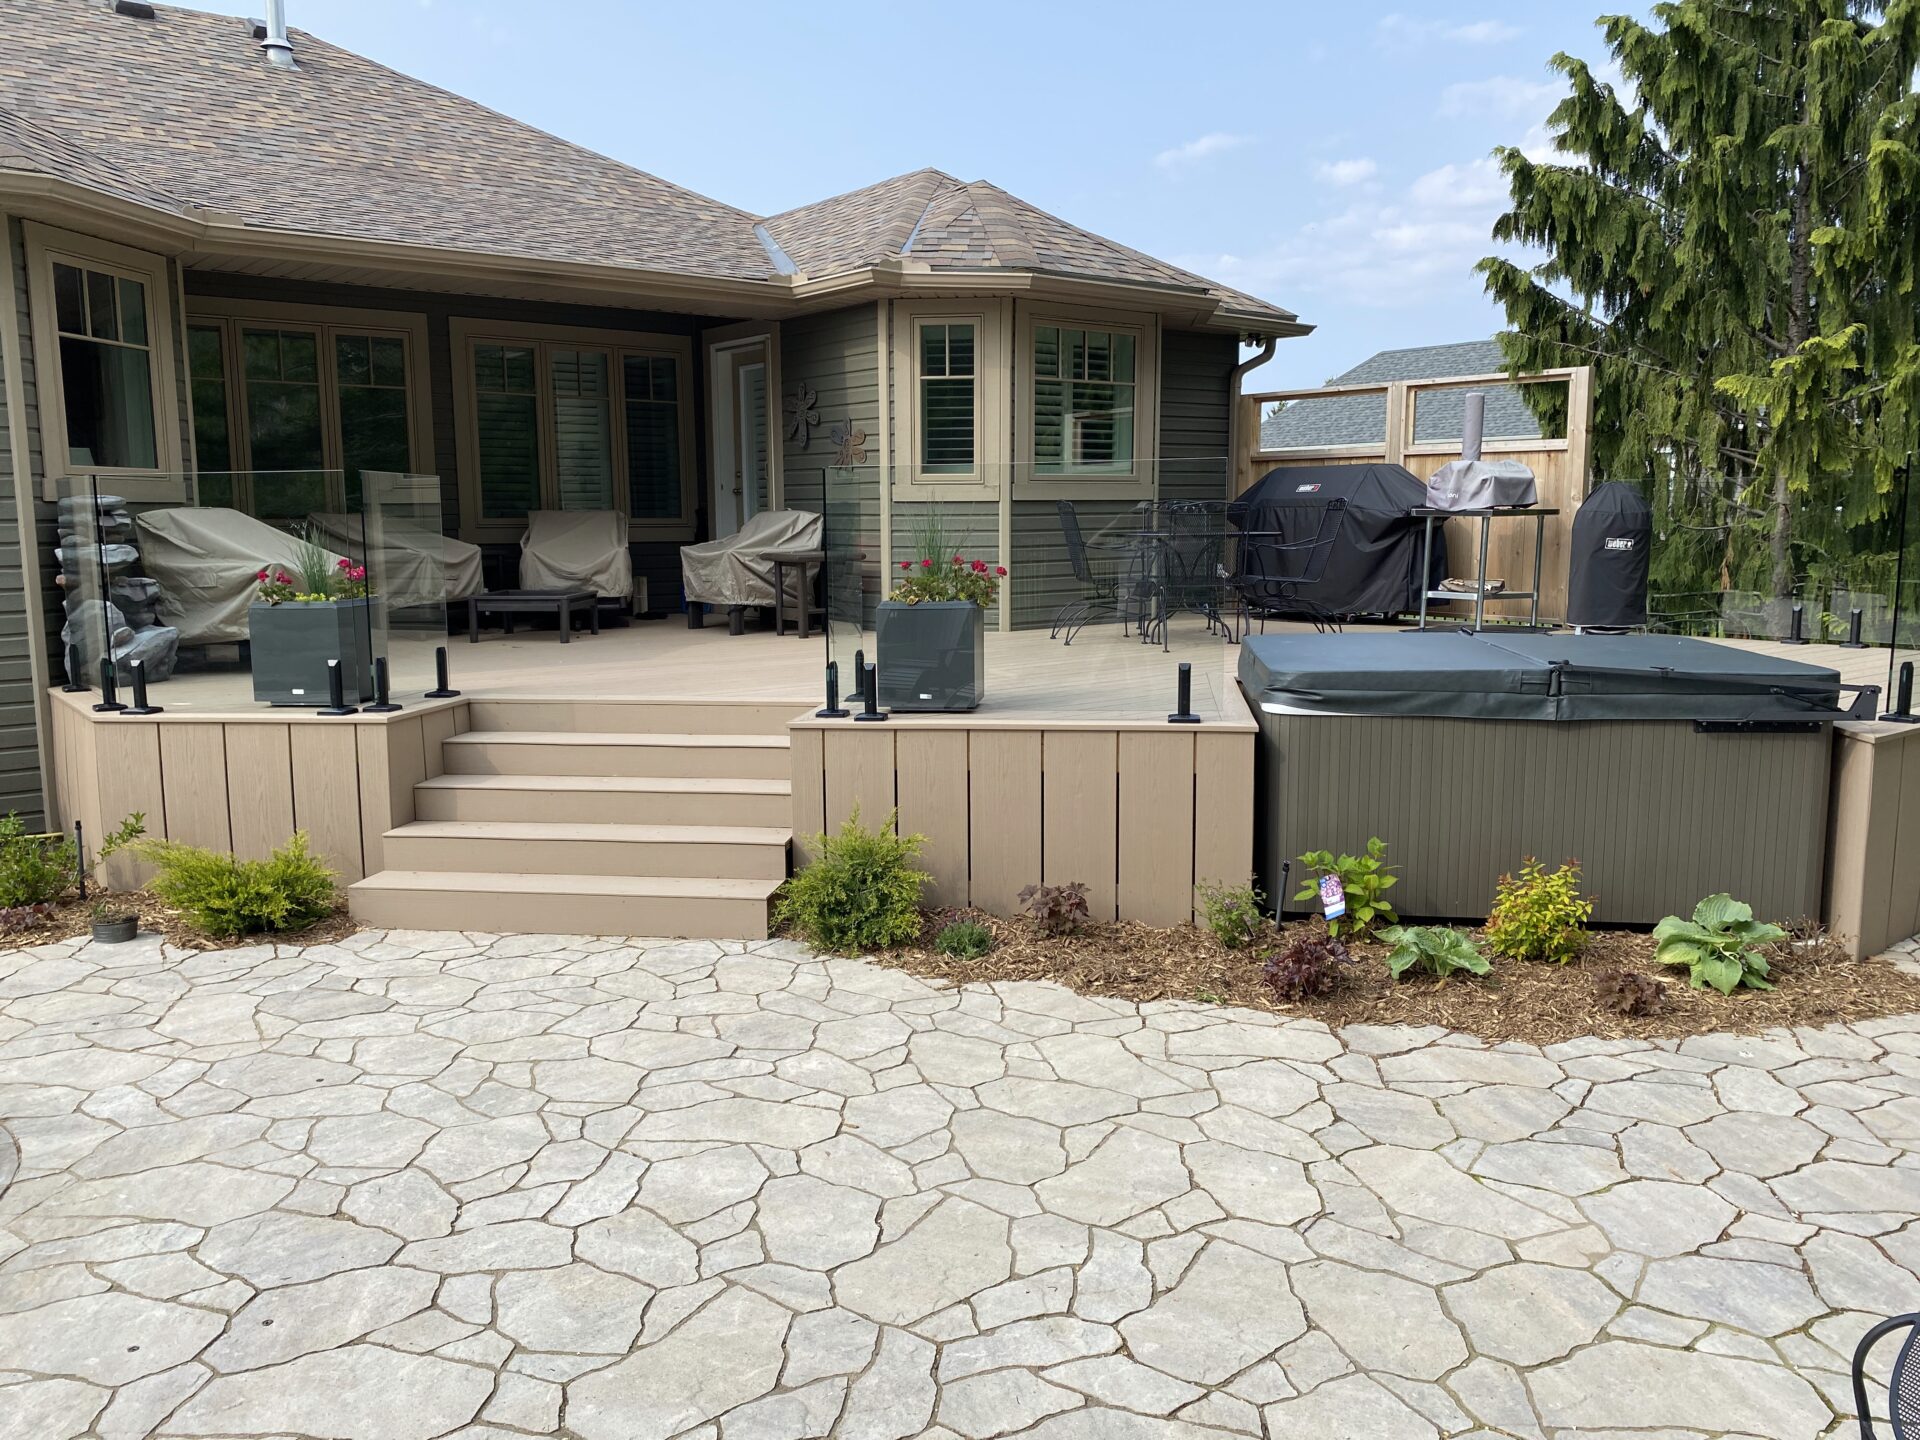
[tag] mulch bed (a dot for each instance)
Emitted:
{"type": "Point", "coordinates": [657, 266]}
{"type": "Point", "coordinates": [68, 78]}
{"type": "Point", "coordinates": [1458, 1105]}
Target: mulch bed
{"type": "Point", "coordinates": [75, 917]}
{"type": "Point", "coordinates": [1817, 983]}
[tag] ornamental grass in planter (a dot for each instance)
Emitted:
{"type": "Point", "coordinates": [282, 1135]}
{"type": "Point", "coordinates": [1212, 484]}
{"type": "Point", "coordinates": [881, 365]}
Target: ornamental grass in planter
{"type": "Point", "coordinates": [930, 634]}
{"type": "Point", "coordinates": [320, 609]}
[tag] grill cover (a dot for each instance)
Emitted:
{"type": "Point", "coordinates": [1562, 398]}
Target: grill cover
{"type": "Point", "coordinates": [1373, 567]}
{"type": "Point", "coordinates": [1532, 677]}
{"type": "Point", "coordinates": [1481, 485]}
{"type": "Point", "coordinates": [1612, 548]}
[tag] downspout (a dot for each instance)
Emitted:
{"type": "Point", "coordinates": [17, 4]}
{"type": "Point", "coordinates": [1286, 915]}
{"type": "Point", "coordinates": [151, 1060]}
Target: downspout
{"type": "Point", "coordinates": [278, 47]}
{"type": "Point", "coordinates": [1238, 374]}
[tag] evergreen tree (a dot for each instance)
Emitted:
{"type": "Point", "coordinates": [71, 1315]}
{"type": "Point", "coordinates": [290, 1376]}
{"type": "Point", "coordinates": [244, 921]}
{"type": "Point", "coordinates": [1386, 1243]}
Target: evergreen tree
{"type": "Point", "coordinates": [1732, 244]}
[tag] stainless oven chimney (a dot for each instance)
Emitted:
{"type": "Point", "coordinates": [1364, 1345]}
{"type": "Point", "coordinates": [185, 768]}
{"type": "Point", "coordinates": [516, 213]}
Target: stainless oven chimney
{"type": "Point", "coordinates": [279, 49]}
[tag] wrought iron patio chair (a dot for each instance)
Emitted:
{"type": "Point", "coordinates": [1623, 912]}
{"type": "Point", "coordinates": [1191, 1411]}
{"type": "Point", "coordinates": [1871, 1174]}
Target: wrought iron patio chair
{"type": "Point", "coordinates": [1903, 1389]}
{"type": "Point", "coordinates": [1113, 576]}
{"type": "Point", "coordinates": [1275, 571]}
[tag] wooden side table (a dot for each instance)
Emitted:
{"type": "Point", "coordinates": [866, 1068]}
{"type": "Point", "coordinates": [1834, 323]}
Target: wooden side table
{"type": "Point", "coordinates": [808, 563]}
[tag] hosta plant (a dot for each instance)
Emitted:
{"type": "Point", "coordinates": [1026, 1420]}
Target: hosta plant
{"type": "Point", "coordinates": [1435, 949]}
{"type": "Point", "coordinates": [1308, 966]}
{"type": "Point", "coordinates": [1540, 914]}
{"type": "Point", "coordinates": [1365, 879]}
{"type": "Point", "coordinates": [1232, 913]}
{"type": "Point", "coordinates": [1719, 946]}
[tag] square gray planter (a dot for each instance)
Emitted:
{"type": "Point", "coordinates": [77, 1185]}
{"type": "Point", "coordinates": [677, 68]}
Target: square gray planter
{"type": "Point", "coordinates": [292, 644]}
{"type": "Point", "coordinates": [931, 656]}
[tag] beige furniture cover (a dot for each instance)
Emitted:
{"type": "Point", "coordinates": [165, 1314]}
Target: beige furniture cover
{"type": "Point", "coordinates": [207, 563]}
{"type": "Point", "coordinates": [736, 571]}
{"type": "Point", "coordinates": [416, 564]}
{"type": "Point", "coordinates": [577, 550]}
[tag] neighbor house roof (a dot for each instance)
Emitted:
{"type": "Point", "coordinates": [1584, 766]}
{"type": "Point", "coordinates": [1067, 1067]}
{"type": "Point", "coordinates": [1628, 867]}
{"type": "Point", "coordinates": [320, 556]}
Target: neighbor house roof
{"type": "Point", "coordinates": [181, 114]}
{"type": "Point", "coordinates": [1362, 419]}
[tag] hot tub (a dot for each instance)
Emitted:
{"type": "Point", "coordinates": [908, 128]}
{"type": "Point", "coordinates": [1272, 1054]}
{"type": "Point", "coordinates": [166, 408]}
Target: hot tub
{"type": "Point", "coordinates": [1670, 768]}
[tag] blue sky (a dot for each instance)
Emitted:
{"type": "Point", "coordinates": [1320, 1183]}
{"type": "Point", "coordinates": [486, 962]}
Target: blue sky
{"type": "Point", "coordinates": [1328, 157]}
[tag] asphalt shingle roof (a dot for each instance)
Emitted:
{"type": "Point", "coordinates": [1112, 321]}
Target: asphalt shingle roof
{"type": "Point", "coordinates": [1362, 419]}
{"type": "Point", "coordinates": [182, 111]}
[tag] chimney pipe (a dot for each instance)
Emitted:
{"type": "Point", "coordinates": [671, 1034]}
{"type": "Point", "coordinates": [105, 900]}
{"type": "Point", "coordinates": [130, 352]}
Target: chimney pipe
{"type": "Point", "coordinates": [279, 49]}
{"type": "Point", "coordinates": [1473, 424]}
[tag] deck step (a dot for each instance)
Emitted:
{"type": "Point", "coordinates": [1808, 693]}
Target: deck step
{"type": "Point", "coordinates": [731, 852]}
{"type": "Point", "coordinates": [604, 800]}
{"type": "Point", "coordinates": [611, 753]}
{"type": "Point", "coordinates": [661, 717]}
{"type": "Point", "coordinates": [713, 909]}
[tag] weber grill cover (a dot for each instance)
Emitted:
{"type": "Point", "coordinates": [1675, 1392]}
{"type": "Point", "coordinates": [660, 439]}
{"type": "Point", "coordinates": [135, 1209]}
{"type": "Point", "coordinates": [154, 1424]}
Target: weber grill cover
{"type": "Point", "coordinates": [1373, 567]}
{"type": "Point", "coordinates": [1532, 677]}
{"type": "Point", "coordinates": [1612, 548]}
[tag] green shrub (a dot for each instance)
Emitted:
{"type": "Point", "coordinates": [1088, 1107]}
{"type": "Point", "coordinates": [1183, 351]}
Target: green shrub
{"type": "Point", "coordinates": [34, 869]}
{"type": "Point", "coordinates": [1540, 915]}
{"type": "Point", "coordinates": [964, 940]}
{"type": "Point", "coordinates": [1232, 913]}
{"type": "Point", "coordinates": [1364, 878]}
{"type": "Point", "coordinates": [861, 893]}
{"type": "Point", "coordinates": [224, 897]}
{"type": "Point", "coordinates": [1435, 949]}
{"type": "Point", "coordinates": [1719, 945]}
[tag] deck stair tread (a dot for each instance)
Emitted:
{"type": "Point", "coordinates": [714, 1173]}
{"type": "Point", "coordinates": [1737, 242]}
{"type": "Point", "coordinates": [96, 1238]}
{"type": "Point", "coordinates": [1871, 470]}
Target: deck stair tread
{"type": "Point", "coordinates": [626, 739]}
{"type": "Point", "coordinates": [533, 831]}
{"type": "Point", "coordinates": [636, 887]}
{"type": "Point", "coordinates": [636, 784]}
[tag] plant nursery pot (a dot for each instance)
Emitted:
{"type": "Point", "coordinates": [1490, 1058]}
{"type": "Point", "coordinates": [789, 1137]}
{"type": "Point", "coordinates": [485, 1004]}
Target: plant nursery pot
{"type": "Point", "coordinates": [116, 929]}
{"type": "Point", "coordinates": [931, 656]}
{"type": "Point", "coordinates": [293, 642]}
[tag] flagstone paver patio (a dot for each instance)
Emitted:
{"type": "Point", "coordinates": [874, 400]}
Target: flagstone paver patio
{"type": "Point", "coordinates": [420, 1185]}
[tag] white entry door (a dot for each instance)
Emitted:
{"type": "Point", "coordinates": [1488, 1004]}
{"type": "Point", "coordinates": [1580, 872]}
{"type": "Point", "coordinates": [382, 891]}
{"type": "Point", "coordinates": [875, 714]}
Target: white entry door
{"type": "Point", "coordinates": [742, 434]}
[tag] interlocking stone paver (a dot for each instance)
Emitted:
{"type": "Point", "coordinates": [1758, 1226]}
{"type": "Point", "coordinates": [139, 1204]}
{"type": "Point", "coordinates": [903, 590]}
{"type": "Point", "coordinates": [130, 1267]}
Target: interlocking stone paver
{"type": "Point", "coordinates": [415, 1185]}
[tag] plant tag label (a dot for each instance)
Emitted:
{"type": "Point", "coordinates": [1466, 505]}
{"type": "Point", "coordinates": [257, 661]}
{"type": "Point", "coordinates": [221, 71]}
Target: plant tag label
{"type": "Point", "coordinates": [1333, 897]}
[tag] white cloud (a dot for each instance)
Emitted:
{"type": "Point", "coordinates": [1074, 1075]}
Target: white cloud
{"type": "Point", "coordinates": [1398, 29]}
{"type": "Point", "coordinates": [1503, 96]}
{"type": "Point", "coordinates": [1347, 172]}
{"type": "Point", "coordinates": [1477, 185]}
{"type": "Point", "coordinates": [1205, 147]}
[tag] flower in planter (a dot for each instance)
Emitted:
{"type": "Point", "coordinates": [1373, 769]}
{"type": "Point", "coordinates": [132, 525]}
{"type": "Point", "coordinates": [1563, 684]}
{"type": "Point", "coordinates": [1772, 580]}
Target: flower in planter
{"type": "Point", "coordinates": [928, 582]}
{"type": "Point", "coordinates": [322, 578]}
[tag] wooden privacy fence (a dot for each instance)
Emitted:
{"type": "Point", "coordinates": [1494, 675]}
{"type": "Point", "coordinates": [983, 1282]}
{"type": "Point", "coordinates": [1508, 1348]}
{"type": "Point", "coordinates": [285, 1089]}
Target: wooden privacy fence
{"type": "Point", "coordinates": [1560, 465]}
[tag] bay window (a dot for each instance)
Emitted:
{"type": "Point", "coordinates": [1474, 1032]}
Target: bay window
{"type": "Point", "coordinates": [1083, 401]}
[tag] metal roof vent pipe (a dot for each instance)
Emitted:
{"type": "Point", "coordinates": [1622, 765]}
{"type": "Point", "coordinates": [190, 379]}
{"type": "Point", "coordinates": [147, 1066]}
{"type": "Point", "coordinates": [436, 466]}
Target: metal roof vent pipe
{"type": "Point", "coordinates": [278, 47]}
{"type": "Point", "coordinates": [1473, 424]}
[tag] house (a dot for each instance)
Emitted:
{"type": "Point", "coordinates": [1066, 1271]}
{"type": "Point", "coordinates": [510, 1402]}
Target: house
{"type": "Point", "coordinates": [236, 254]}
{"type": "Point", "coordinates": [1361, 419]}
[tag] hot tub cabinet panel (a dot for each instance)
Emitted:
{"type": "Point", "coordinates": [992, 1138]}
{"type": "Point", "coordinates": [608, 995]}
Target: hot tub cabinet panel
{"type": "Point", "coordinates": [1657, 814]}
{"type": "Point", "coordinates": [1670, 768]}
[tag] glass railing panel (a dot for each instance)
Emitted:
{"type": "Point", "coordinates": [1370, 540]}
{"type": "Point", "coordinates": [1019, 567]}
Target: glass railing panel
{"type": "Point", "coordinates": [1902, 694]}
{"type": "Point", "coordinates": [238, 595]}
{"type": "Point", "coordinates": [415, 574]}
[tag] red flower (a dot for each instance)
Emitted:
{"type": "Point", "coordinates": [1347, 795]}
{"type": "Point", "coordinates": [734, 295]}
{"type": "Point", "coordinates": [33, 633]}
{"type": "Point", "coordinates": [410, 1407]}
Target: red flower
{"type": "Point", "coordinates": [906, 564]}
{"type": "Point", "coordinates": [345, 564]}
{"type": "Point", "coordinates": [282, 578]}
{"type": "Point", "coordinates": [999, 569]}
{"type": "Point", "coordinates": [262, 575]}
{"type": "Point", "coordinates": [979, 567]}
{"type": "Point", "coordinates": [926, 564]}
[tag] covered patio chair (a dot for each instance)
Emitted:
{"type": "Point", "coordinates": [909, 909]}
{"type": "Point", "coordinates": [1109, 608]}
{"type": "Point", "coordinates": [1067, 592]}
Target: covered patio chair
{"type": "Point", "coordinates": [415, 563]}
{"type": "Point", "coordinates": [737, 570]}
{"type": "Point", "coordinates": [1903, 1386]}
{"type": "Point", "coordinates": [578, 550]}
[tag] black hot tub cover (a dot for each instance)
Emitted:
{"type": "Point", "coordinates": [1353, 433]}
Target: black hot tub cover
{"type": "Point", "coordinates": [1532, 677]}
{"type": "Point", "coordinates": [1373, 567]}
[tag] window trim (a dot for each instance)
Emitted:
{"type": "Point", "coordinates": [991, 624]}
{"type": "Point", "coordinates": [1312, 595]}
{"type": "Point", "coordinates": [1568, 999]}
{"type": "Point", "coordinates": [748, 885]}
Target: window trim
{"type": "Point", "coordinates": [466, 332]}
{"type": "Point", "coordinates": [1141, 482]}
{"type": "Point", "coordinates": [231, 317]}
{"type": "Point", "coordinates": [166, 480]}
{"type": "Point", "coordinates": [987, 480]}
